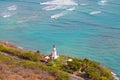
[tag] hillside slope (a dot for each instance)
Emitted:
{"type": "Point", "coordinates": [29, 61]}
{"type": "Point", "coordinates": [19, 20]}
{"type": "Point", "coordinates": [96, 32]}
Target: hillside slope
{"type": "Point", "coordinates": [18, 63]}
{"type": "Point", "coordinates": [26, 67]}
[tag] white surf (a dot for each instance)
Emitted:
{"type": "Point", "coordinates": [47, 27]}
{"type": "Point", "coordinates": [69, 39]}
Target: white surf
{"type": "Point", "coordinates": [50, 8]}
{"type": "Point", "coordinates": [6, 14]}
{"type": "Point", "coordinates": [83, 4]}
{"type": "Point", "coordinates": [64, 5]}
{"type": "Point", "coordinates": [115, 76]}
{"type": "Point", "coordinates": [12, 8]}
{"type": "Point", "coordinates": [60, 2]}
{"type": "Point", "coordinates": [102, 2]}
{"type": "Point", "coordinates": [58, 15]}
{"type": "Point", "coordinates": [71, 9]}
{"type": "Point", "coordinates": [95, 12]}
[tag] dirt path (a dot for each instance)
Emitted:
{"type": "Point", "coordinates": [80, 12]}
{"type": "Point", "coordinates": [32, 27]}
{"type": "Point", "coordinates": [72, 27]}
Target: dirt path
{"type": "Point", "coordinates": [14, 57]}
{"type": "Point", "coordinates": [74, 77]}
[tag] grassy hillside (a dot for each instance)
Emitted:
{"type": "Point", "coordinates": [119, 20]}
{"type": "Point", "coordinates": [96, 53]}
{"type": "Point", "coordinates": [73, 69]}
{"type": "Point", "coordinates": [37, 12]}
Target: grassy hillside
{"type": "Point", "coordinates": [84, 68]}
{"type": "Point", "coordinates": [10, 68]}
{"type": "Point", "coordinates": [30, 67]}
{"type": "Point", "coordinates": [16, 51]}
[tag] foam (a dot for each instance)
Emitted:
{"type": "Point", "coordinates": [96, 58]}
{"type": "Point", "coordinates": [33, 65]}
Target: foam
{"type": "Point", "coordinates": [60, 2]}
{"type": "Point", "coordinates": [22, 21]}
{"type": "Point", "coordinates": [58, 15]}
{"type": "Point", "coordinates": [102, 2]}
{"type": "Point", "coordinates": [12, 8]}
{"type": "Point", "coordinates": [83, 4]}
{"type": "Point", "coordinates": [95, 12]}
{"type": "Point", "coordinates": [49, 8]}
{"type": "Point", "coordinates": [6, 14]}
{"type": "Point", "coordinates": [71, 9]}
{"type": "Point", "coordinates": [115, 76]}
{"type": "Point", "coordinates": [67, 5]}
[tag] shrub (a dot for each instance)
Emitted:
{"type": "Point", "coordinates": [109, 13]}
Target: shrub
{"type": "Point", "coordinates": [23, 54]}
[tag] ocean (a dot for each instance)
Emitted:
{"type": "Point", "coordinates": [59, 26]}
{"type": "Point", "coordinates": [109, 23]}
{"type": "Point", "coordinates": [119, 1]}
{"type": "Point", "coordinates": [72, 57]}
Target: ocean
{"type": "Point", "coordinates": [79, 28]}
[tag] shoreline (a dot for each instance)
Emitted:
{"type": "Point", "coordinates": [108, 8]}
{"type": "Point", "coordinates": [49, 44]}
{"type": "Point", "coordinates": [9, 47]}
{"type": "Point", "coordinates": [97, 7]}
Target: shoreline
{"type": "Point", "coordinates": [116, 77]}
{"type": "Point", "coordinates": [9, 44]}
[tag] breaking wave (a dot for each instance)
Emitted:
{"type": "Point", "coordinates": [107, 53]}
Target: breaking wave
{"type": "Point", "coordinates": [6, 14]}
{"type": "Point", "coordinates": [95, 12]}
{"type": "Point", "coordinates": [83, 4]}
{"type": "Point", "coordinates": [58, 15]}
{"type": "Point", "coordinates": [115, 76]}
{"type": "Point", "coordinates": [71, 9]}
{"type": "Point", "coordinates": [60, 2]}
{"type": "Point", "coordinates": [102, 2]}
{"type": "Point", "coordinates": [12, 8]}
{"type": "Point", "coordinates": [9, 12]}
{"type": "Point", "coordinates": [49, 8]}
{"type": "Point", "coordinates": [66, 5]}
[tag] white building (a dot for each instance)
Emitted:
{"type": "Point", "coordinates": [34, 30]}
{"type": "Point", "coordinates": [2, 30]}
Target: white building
{"type": "Point", "coordinates": [54, 53]}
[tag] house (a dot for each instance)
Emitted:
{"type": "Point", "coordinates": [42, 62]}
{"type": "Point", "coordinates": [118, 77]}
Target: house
{"type": "Point", "coordinates": [43, 59]}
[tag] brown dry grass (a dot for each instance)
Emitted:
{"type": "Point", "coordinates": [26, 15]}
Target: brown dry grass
{"type": "Point", "coordinates": [20, 73]}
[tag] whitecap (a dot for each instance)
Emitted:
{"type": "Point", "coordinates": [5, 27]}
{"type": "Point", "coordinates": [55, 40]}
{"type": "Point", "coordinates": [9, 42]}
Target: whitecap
{"type": "Point", "coordinates": [95, 12]}
{"type": "Point", "coordinates": [68, 5]}
{"type": "Point", "coordinates": [60, 2]}
{"type": "Point", "coordinates": [49, 8]}
{"type": "Point", "coordinates": [83, 4]}
{"type": "Point", "coordinates": [58, 15]}
{"type": "Point", "coordinates": [12, 8]}
{"type": "Point", "coordinates": [102, 2]}
{"type": "Point", "coordinates": [6, 14]}
{"type": "Point", "coordinates": [71, 9]}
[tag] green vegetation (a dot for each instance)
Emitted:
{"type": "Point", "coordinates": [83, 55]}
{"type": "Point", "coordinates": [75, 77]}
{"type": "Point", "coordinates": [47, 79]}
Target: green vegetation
{"type": "Point", "coordinates": [84, 68]}
{"type": "Point", "coordinates": [31, 60]}
{"type": "Point", "coordinates": [58, 75]}
{"type": "Point", "coordinates": [21, 53]}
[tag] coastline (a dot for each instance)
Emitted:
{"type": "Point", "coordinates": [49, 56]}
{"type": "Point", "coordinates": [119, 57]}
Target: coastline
{"type": "Point", "coordinates": [88, 30]}
{"type": "Point", "coordinates": [21, 48]}
{"type": "Point", "coordinates": [116, 77]}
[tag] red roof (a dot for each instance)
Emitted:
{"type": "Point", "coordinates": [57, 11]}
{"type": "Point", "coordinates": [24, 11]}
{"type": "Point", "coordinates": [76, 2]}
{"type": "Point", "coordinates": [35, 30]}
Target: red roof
{"type": "Point", "coordinates": [43, 59]}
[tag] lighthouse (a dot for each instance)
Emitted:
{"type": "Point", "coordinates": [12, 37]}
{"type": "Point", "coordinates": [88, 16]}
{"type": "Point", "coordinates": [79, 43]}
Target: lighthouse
{"type": "Point", "coordinates": [54, 52]}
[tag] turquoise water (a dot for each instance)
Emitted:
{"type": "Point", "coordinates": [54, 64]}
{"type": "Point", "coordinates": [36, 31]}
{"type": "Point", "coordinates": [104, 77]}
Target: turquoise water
{"type": "Point", "coordinates": [79, 28]}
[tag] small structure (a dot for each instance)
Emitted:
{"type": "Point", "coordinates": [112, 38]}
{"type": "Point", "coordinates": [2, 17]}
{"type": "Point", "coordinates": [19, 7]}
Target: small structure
{"type": "Point", "coordinates": [53, 55]}
{"type": "Point", "coordinates": [44, 59]}
{"type": "Point", "coordinates": [70, 60]}
{"type": "Point", "coordinates": [47, 57]}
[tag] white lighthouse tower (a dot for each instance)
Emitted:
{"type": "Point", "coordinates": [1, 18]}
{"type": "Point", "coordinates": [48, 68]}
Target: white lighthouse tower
{"type": "Point", "coordinates": [54, 52]}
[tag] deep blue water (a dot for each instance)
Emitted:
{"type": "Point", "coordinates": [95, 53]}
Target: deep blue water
{"type": "Point", "coordinates": [79, 28]}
